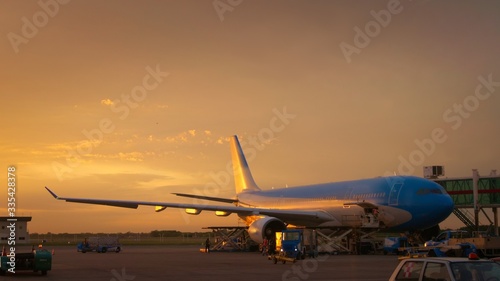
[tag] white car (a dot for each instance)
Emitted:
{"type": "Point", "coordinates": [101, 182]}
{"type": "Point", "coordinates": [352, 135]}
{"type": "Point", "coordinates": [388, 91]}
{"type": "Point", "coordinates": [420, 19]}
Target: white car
{"type": "Point", "coordinates": [446, 269]}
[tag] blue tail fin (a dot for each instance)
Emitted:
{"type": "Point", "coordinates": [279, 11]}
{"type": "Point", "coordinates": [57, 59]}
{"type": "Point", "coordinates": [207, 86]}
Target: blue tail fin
{"type": "Point", "coordinates": [242, 177]}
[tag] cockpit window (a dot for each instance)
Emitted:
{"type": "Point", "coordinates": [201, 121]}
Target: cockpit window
{"type": "Point", "coordinates": [429, 190]}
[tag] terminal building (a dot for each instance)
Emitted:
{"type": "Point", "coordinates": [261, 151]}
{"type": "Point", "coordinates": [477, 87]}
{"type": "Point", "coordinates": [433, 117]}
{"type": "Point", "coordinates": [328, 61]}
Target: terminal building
{"type": "Point", "coordinates": [20, 233]}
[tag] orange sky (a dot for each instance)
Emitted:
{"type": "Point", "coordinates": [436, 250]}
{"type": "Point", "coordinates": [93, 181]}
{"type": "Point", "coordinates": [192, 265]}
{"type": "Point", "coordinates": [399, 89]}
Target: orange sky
{"type": "Point", "coordinates": [136, 99]}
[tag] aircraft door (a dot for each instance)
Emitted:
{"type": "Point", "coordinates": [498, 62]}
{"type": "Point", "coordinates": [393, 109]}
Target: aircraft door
{"type": "Point", "coordinates": [394, 195]}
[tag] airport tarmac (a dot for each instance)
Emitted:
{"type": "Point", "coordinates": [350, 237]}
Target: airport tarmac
{"type": "Point", "coordinates": [138, 263]}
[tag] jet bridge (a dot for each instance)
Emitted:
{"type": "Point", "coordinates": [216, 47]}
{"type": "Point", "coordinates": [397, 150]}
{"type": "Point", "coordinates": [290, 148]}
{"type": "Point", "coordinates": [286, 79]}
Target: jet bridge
{"type": "Point", "coordinates": [474, 196]}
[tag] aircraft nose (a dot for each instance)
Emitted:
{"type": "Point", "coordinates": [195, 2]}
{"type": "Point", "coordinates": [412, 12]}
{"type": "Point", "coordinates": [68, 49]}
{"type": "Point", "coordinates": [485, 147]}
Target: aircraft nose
{"type": "Point", "coordinates": [433, 203]}
{"type": "Point", "coordinates": [446, 205]}
{"type": "Point", "coordinates": [442, 205]}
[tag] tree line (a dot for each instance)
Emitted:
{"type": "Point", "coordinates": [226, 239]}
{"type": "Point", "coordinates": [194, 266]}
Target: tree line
{"type": "Point", "coordinates": [123, 235]}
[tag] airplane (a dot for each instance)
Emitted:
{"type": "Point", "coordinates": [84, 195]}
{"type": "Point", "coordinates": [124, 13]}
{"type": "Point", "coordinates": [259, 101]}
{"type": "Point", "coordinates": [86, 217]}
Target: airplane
{"type": "Point", "coordinates": [395, 203]}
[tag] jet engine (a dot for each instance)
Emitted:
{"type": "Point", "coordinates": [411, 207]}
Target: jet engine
{"type": "Point", "coordinates": [265, 227]}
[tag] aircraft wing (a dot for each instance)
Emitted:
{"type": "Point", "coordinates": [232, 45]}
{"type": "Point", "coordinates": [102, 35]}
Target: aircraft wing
{"type": "Point", "coordinates": [195, 209]}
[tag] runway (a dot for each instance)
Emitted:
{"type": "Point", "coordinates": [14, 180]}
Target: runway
{"type": "Point", "coordinates": [148, 263]}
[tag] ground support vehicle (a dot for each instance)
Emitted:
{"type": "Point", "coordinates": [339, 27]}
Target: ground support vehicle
{"type": "Point", "coordinates": [444, 237]}
{"type": "Point", "coordinates": [294, 244]}
{"type": "Point", "coordinates": [449, 269]}
{"type": "Point", "coordinates": [100, 245]}
{"type": "Point", "coordinates": [457, 250]}
{"type": "Point", "coordinates": [37, 261]}
{"type": "Point", "coordinates": [488, 245]}
{"type": "Point", "coordinates": [395, 245]}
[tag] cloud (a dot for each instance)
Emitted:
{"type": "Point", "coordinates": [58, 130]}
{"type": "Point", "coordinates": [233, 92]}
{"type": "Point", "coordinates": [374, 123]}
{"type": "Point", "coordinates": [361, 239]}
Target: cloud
{"type": "Point", "coordinates": [182, 137]}
{"type": "Point", "coordinates": [107, 102]}
{"type": "Point", "coordinates": [133, 156]}
{"type": "Point", "coordinates": [193, 137]}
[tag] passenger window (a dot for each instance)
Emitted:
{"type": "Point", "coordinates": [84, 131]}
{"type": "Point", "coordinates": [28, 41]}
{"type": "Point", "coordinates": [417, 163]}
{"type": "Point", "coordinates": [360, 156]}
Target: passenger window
{"type": "Point", "coordinates": [410, 271]}
{"type": "Point", "coordinates": [436, 272]}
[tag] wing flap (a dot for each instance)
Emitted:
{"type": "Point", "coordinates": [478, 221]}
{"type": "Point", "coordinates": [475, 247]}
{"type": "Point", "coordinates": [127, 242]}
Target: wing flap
{"type": "Point", "coordinates": [217, 199]}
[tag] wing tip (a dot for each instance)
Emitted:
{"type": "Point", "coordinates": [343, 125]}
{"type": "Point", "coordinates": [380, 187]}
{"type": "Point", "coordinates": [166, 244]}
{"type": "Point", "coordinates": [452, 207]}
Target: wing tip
{"type": "Point", "coordinates": [52, 193]}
